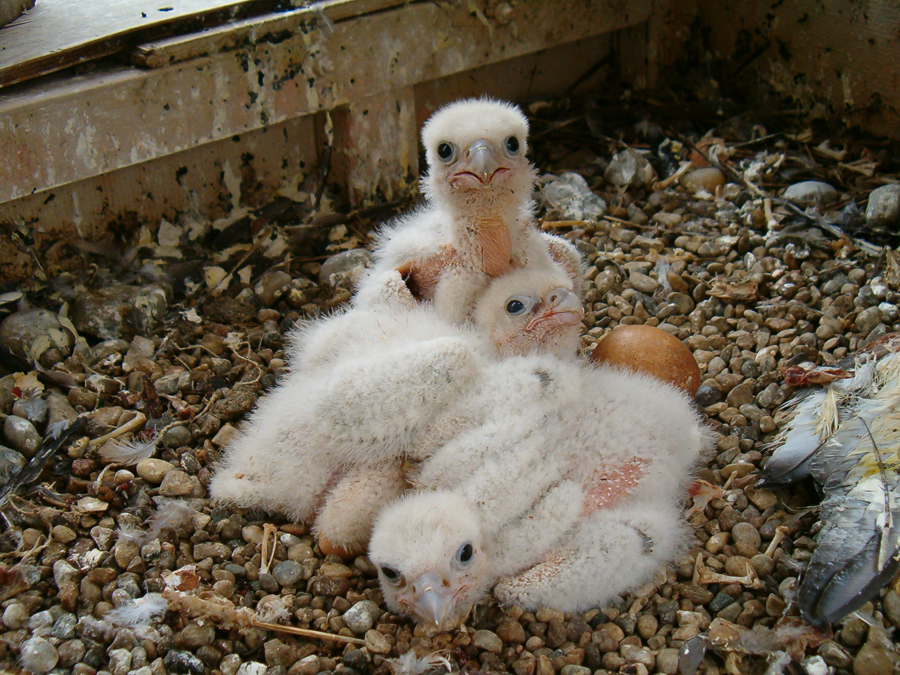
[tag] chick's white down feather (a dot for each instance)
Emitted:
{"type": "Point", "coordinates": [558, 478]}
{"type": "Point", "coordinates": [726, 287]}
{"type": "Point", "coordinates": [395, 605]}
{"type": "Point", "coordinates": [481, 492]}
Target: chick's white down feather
{"type": "Point", "coordinates": [329, 415]}
{"type": "Point", "coordinates": [569, 494]}
{"type": "Point", "coordinates": [477, 222]}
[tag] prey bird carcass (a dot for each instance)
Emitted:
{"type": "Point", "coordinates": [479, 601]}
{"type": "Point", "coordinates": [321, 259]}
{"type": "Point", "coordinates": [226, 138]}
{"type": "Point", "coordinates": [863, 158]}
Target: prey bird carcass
{"type": "Point", "coordinates": [846, 436]}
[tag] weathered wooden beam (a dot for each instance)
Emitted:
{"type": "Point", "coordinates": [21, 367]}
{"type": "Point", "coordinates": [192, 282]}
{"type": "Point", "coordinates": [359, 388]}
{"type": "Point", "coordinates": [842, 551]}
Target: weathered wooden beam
{"type": "Point", "coordinates": [61, 130]}
{"type": "Point", "coordinates": [57, 34]}
{"type": "Point", "coordinates": [376, 146]}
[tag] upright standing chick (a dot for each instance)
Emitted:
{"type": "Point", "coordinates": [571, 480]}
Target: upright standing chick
{"type": "Point", "coordinates": [566, 495]}
{"type": "Point", "coordinates": [477, 223]}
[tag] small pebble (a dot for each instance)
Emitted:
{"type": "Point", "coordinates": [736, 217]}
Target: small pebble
{"type": "Point", "coordinates": [488, 641]}
{"type": "Point", "coordinates": [21, 435]}
{"type": "Point", "coordinates": [362, 616]}
{"type": "Point", "coordinates": [883, 207]}
{"type": "Point", "coordinates": [153, 470]}
{"type": "Point", "coordinates": [176, 483]}
{"type": "Point", "coordinates": [811, 193]}
{"type": "Point", "coordinates": [38, 655]}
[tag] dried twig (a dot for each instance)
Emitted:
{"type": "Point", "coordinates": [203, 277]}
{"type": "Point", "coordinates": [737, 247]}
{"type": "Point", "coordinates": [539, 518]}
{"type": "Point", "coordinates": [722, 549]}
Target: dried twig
{"type": "Point", "coordinates": [306, 632]}
{"type": "Point", "coordinates": [134, 423]}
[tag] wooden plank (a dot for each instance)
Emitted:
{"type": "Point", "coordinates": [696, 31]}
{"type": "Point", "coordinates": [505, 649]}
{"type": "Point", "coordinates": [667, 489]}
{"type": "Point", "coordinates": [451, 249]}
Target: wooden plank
{"type": "Point", "coordinates": [235, 34]}
{"type": "Point", "coordinates": [220, 180]}
{"type": "Point", "coordinates": [837, 59]}
{"type": "Point", "coordinates": [52, 133]}
{"type": "Point", "coordinates": [376, 147]}
{"type": "Point", "coordinates": [60, 33]}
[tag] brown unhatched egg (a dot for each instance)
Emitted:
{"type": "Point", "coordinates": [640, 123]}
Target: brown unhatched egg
{"type": "Point", "coordinates": [650, 350]}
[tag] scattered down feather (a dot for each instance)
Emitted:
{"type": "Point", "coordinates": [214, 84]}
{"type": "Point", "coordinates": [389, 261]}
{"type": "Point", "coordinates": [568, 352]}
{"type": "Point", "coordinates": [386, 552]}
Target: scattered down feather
{"type": "Point", "coordinates": [127, 451]}
{"type": "Point", "coordinates": [172, 514]}
{"type": "Point", "coordinates": [565, 495]}
{"type": "Point", "coordinates": [477, 222]}
{"type": "Point", "coordinates": [138, 612]}
{"type": "Point", "coordinates": [856, 464]}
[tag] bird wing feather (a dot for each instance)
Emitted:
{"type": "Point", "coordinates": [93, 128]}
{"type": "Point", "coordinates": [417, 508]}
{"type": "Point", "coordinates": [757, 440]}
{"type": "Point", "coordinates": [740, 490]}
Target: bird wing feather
{"type": "Point", "coordinates": [844, 572]}
{"type": "Point", "coordinates": [798, 440]}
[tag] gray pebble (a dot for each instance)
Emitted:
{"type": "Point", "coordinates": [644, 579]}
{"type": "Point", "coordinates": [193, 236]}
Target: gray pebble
{"type": "Point", "coordinates": [38, 655]}
{"type": "Point", "coordinates": [15, 616]}
{"type": "Point", "coordinates": [344, 268]}
{"type": "Point", "coordinates": [288, 573]}
{"type": "Point", "coordinates": [34, 410]}
{"type": "Point", "coordinates": [177, 661]}
{"type": "Point", "coordinates": [64, 627]}
{"type": "Point", "coordinates": [59, 409]}
{"type": "Point", "coordinates": [573, 669]}
{"type": "Point", "coordinates": [488, 641]}
{"type": "Point", "coordinates": [252, 668]}
{"type": "Point", "coordinates": [362, 616]}
{"type": "Point", "coordinates": [153, 470]}
{"type": "Point", "coordinates": [193, 636]}
{"type": "Point", "coordinates": [35, 330]}
{"type": "Point", "coordinates": [708, 395]}
{"type": "Point", "coordinates": [746, 539]}
{"type": "Point", "coordinates": [643, 283]}
{"type": "Point", "coordinates": [867, 319]}
{"type": "Point", "coordinates": [21, 435]}
{"type": "Point", "coordinates": [811, 193]}
{"type": "Point", "coordinates": [771, 397]}
{"type": "Point", "coordinates": [377, 643]}
{"type": "Point", "coordinates": [176, 483]}
{"type": "Point", "coordinates": [272, 286]}
{"type": "Point", "coordinates": [40, 622]}
{"type": "Point", "coordinates": [720, 602]}
{"type": "Point", "coordinates": [883, 207]}
{"type": "Point", "coordinates": [835, 655]}
{"type": "Point", "coordinates": [268, 583]}
{"type": "Point", "coordinates": [119, 661]}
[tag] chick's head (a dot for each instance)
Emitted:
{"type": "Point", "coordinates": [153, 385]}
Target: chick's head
{"type": "Point", "coordinates": [531, 310]}
{"type": "Point", "coordinates": [475, 150]}
{"type": "Point", "coordinates": [430, 558]}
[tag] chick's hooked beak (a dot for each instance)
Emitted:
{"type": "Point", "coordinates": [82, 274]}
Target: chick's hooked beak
{"type": "Point", "coordinates": [481, 161]}
{"type": "Point", "coordinates": [429, 597]}
{"type": "Point", "coordinates": [560, 305]}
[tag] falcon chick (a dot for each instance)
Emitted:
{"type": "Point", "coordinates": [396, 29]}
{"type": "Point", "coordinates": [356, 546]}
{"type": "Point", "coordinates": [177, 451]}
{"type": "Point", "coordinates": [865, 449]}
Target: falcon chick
{"type": "Point", "coordinates": [845, 436]}
{"type": "Point", "coordinates": [565, 495]}
{"type": "Point", "coordinates": [326, 420]}
{"type": "Point", "coordinates": [477, 223]}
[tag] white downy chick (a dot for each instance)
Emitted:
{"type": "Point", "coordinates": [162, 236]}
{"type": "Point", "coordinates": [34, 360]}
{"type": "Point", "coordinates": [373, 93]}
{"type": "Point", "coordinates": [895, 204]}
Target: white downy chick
{"type": "Point", "coordinates": [477, 223]}
{"type": "Point", "coordinates": [329, 414]}
{"type": "Point", "coordinates": [568, 495]}
{"type": "Point", "coordinates": [531, 311]}
{"type": "Point", "coordinates": [346, 356]}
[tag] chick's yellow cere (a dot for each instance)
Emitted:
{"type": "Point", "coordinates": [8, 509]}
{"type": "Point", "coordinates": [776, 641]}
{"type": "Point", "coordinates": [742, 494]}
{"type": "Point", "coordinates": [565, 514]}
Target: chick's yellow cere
{"type": "Point", "coordinates": [650, 350]}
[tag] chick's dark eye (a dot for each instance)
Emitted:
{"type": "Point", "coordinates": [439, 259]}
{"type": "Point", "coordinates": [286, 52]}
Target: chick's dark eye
{"type": "Point", "coordinates": [515, 307]}
{"type": "Point", "coordinates": [390, 574]}
{"type": "Point", "coordinates": [445, 151]}
{"type": "Point", "coordinates": [465, 553]}
{"type": "Point", "coordinates": [512, 145]}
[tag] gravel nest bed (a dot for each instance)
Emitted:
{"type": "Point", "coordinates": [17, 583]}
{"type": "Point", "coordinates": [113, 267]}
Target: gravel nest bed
{"type": "Point", "coordinates": [184, 348]}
